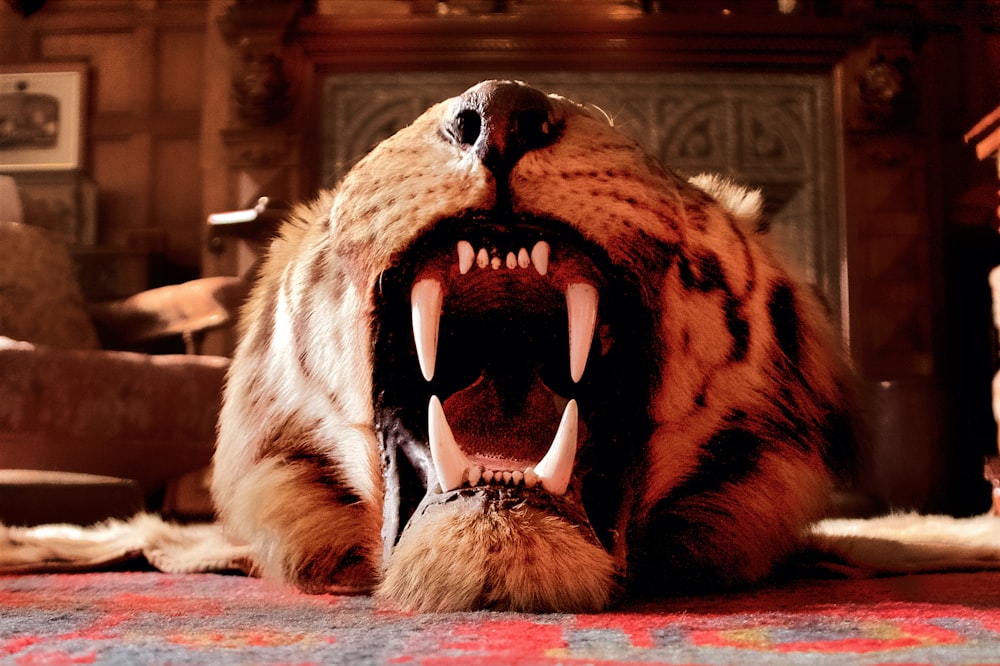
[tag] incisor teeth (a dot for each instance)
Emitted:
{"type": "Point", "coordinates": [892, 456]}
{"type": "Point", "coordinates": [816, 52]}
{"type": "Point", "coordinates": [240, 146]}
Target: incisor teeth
{"type": "Point", "coordinates": [466, 255]}
{"type": "Point", "coordinates": [523, 259]}
{"type": "Point", "coordinates": [556, 468]}
{"type": "Point", "coordinates": [425, 310]}
{"type": "Point", "coordinates": [449, 461]}
{"type": "Point", "coordinates": [581, 306]}
{"type": "Point", "coordinates": [475, 473]}
{"type": "Point", "coordinates": [530, 478]}
{"type": "Point", "coordinates": [540, 257]}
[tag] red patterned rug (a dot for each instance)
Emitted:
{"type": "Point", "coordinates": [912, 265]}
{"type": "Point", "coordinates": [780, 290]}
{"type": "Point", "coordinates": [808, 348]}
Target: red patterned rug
{"type": "Point", "coordinates": [158, 618]}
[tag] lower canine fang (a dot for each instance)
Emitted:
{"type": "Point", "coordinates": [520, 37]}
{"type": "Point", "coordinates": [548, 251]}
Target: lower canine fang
{"type": "Point", "coordinates": [556, 468]}
{"type": "Point", "coordinates": [449, 461]}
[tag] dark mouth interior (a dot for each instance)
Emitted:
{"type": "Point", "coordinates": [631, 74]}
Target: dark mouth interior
{"type": "Point", "coordinates": [502, 367]}
{"type": "Point", "coordinates": [507, 382]}
{"type": "Point", "coordinates": [503, 371]}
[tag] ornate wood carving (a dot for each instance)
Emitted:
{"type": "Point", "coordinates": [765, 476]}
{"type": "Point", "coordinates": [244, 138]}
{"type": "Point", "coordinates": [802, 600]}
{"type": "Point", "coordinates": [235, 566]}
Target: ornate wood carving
{"type": "Point", "coordinates": [262, 138]}
{"type": "Point", "coordinates": [887, 92]}
{"type": "Point", "coordinates": [256, 32]}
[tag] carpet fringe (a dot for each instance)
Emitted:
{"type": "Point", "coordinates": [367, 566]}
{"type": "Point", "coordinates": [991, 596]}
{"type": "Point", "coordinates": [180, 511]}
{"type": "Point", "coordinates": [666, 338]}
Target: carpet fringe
{"type": "Point", "coordinates": [902, 543]}
{"type": "Point", "coordinates": [169, 547]}
{"type": "Point", "coordinates": [894, 544]}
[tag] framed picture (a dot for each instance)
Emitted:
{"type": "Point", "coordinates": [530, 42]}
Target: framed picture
{"type": "Point", "coordinates": [41, 116]}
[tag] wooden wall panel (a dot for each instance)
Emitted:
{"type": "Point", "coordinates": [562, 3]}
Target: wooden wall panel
{"type": "Point", "coordinates": [121, 169]}
{"type": "Point", "coordinates": [179, 70]}
{"type": "Point", "coordinates": [146, 65]}
{"type": "Point", "coordinates": [118, 81]}
{"type": "Point", "coordinates": [176, 197]}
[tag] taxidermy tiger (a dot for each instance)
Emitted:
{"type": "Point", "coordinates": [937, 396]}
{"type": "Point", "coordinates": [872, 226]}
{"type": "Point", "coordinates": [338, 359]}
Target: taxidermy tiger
{"type": "Point", "coordinates": [511, 362]}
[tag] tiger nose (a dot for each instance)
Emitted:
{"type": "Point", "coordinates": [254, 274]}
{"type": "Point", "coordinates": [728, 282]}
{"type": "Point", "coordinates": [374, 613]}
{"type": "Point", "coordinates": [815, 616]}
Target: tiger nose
{"type": "Point", "coordinates": [500, 121]}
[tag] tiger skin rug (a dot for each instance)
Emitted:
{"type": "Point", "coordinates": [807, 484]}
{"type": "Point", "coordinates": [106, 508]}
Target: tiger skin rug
{"type": "Point", "coordinates": [512, 362]}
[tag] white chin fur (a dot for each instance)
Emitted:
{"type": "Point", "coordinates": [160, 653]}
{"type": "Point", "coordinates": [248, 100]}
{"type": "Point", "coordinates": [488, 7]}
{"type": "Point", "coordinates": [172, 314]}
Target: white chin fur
{"type": "Point", "coordinates": [461, 558]}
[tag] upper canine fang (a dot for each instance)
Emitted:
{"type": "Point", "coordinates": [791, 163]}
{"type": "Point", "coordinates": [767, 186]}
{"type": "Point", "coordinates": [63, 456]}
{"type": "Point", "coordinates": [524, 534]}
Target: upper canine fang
{"type": "Point", "coordinates": [581, 306]}
{"type": "Point", "coordinates": [426, 300]}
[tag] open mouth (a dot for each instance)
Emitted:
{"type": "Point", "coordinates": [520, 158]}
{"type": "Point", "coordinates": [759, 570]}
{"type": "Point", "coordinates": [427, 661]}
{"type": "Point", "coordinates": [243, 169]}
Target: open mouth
{"type": "Point", "coordinates": [512, 363]}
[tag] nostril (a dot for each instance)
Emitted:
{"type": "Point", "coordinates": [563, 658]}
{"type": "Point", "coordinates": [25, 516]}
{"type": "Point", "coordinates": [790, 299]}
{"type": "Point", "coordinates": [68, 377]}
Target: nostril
{"type": "Point", "coordinates": [531, 127]}
{"type": "Point", "coordinates": [466, 127]}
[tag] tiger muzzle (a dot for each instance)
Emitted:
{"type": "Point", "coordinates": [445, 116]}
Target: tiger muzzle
{"type": "Point", "coordinates": [507, 339]}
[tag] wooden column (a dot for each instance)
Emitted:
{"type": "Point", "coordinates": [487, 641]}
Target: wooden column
{"type": "Point", "coordinates": [258, 144]}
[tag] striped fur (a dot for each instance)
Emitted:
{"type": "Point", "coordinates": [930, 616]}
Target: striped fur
{"type": "Point", "coordinates": [725, 415]}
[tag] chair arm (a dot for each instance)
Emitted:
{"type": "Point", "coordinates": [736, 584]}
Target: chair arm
{"type": "Point", "coordinates": [182, 309]}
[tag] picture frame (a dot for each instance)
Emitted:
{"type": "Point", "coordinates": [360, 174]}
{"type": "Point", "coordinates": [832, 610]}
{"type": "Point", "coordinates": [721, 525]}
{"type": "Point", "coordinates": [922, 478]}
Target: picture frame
{"type": "Point", "coordinates": [42, 111]}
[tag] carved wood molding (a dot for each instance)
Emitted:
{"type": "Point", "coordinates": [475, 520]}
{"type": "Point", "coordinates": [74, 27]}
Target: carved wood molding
{"type": "Point", "coordinates": [590, 40]}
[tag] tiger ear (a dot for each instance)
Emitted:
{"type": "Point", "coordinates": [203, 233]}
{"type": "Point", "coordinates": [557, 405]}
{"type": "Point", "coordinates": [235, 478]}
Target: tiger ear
{"type": "Point", "coordinates": [744, 204]}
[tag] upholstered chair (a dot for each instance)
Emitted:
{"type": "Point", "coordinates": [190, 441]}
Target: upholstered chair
{"type": "Point", "coordinates": [87, 432]}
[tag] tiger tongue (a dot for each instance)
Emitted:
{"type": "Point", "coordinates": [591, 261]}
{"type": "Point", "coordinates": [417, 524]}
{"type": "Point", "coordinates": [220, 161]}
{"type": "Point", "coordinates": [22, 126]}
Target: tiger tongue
{"type": "Point", "coordinates": [492, 423]}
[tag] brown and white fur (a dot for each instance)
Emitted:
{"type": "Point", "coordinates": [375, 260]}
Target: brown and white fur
{"type": "Point", "coordinates": [713, 405]}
